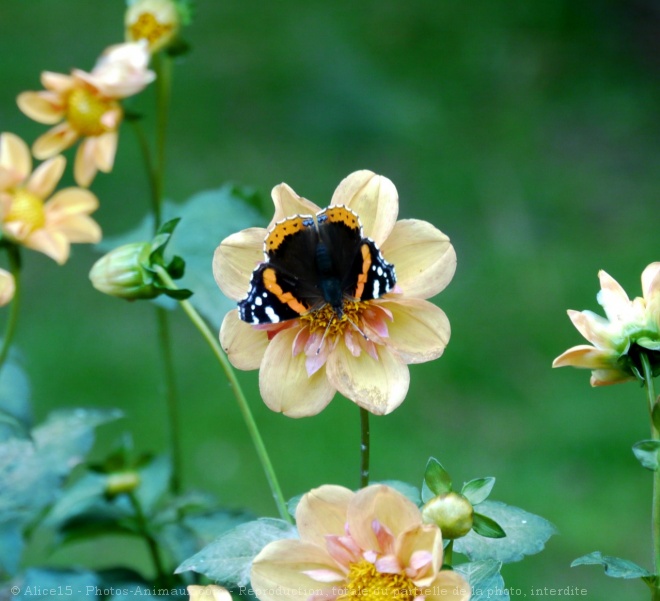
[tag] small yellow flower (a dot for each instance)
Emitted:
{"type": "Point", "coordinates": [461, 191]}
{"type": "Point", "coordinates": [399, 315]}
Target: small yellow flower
{"type": "Point", "coordinates": [370, 545]}
{"type": "Point", "coordinates": [27, 217]}
{"type": "Point", "coordinates": [156, 21]}
{"type": "Point", "coordinates": [208, 593]}
{"type": "Point", "coordinates": [7, 287]}
{"type": "Point", "coordinates": [365, 354]}
{"type": "Point", "coordinates": [86, 106]}
{"type": "Point", "coordinates": [630, 327]}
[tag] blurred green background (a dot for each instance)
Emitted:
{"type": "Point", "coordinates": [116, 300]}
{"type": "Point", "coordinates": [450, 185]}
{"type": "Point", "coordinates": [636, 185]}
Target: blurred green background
{"type": "Point", "coordinates": [527, 131]}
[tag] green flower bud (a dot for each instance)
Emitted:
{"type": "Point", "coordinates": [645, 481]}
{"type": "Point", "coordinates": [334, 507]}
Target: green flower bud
{"type": "Point", "coordinates": [451, 512]}
{"type": "Point", "coordinates": [122, 272]}
{"type": "Point", "coordinates": [122, 482]}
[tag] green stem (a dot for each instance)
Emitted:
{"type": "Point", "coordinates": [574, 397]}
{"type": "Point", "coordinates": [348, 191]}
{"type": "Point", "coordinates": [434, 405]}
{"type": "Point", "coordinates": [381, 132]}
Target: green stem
{"type": "Point", "coordinates": [15, 269]}
{"type": "Point", "coordinates": [448, 556]}
{"type": "Point", "coordinates": [163, 68]}
{"type": "Point", "coordinates": [152, 175]}
{"type": "Point", "coordinates": [364, 448]}
{"type": "Point", "coordinates": [251, 424]}
{"type": "Point", "coordinates": [650, 391]}
{"type": "Point", "coordinates": [162, 577]}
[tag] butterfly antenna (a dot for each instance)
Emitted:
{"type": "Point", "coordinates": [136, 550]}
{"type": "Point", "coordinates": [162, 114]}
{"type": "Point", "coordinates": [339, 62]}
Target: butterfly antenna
{"type": "Point", "coordinates": [325, 333]}
{"type": "Point", "coordinates": [357, 327]}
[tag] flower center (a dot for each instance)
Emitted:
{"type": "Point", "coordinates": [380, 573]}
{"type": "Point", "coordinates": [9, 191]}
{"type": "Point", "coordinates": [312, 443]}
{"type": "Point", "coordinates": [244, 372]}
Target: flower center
{"type": "Point", "coordinates": [326, 319]}
{"type": "Point", "coordinates": [148, 28]}
{"type": "Point", "coordinates": [28, 209]}
{"type": "Point", "coordinates": [85, 111]}
{"type": "Point", "coordinates": [366, 583]}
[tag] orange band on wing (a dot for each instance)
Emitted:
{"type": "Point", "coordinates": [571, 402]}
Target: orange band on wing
{"type": "Point", "coordinates": [270, 282]}
{"type": "Point", "coordinates": [362, 278]}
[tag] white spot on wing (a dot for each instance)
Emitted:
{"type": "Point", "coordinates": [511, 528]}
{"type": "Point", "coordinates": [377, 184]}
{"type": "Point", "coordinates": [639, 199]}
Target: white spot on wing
{"type": "Point", "coordinates": [270, 312]}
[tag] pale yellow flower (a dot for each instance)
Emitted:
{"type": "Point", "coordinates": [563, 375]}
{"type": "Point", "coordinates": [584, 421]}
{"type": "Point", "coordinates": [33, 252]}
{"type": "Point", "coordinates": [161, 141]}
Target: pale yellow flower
{"type": "Point", "coordinates": [208, 593]}
{"type": "Point", "coordinates": [86, 106]}
{"type": "Point", "coordinates": [29, 215]}
{"type": "Point", "coordinates": [156, 21]}
{"type": "Point", "coordinates": [7, 287]}
{"type": "Point", "coordinates": [631, 327]}
{"type": "Point", "coordinates": [364, 355]}
{"type": "Point", "coordinates": [370, 545]}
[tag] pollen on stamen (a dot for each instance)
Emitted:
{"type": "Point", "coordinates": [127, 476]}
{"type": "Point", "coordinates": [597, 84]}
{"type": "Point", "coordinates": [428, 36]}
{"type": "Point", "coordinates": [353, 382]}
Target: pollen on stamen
{"type": "Point", "coordinates": [325, 319]}
{"type": "Point", "coordinates": [85, 112]}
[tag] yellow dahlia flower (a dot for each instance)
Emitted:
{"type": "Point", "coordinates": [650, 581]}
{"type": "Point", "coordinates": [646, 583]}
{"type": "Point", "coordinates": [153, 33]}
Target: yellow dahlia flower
{"type": "Point", "coordinates": [28, 216]}
{"type": "Point", "coordinates": [361, 348]}
{"type": "Point", "coordinates": [370, 545]}
{"type": "Point", "coordinates": [86, 106]}
{"type": "Point", "coordinates": [7, 287]}
{"type": "Point", "coordinates": [156, 21]}
{"type": "Point", "coordinates": [630, 327]}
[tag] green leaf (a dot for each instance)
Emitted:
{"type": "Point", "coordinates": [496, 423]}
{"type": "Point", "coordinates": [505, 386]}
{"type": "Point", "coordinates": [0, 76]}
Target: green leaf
{"type": "Point", "coordinates": [485, 580]}
{"type": "Point", "coordinates": [292, 504]}
{"type": "Point", "coordinates": [436, 477]}
{"type": "Point", "coordinates": [614, 566]}
{"type": "Point", "coordinates": [73, 584]}
{"type": "Point", "coordinates": [477, 491]}
{"type": "Point", "coordinates": [11, 547]}
{"type": "Point", "coordinates": [15, 411]}
{"type": "Point", "coordinates": [648, 453]}
{"type": "Point", "coordinates": [487, 527]}
{"type": "Point", "coordinates": [154, 482]}
{"type": "Point", "coordinates": [526, 534]}
{"type": "Point", "coordinates": [407, 490]}
{"type": "Point", "coordinates": [77, 498]}
{"type": "Point", "coordinates": [228, 559]}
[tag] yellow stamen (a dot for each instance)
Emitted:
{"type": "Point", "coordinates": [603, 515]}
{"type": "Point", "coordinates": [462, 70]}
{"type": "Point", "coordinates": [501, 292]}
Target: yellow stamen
{"type": "Point", "coordinates": [325, 318]}
{"type": "Point", "coordinates": [27, 209]}
{"type": "Point", "coordinates": [148, 28]}
{"type": "Point", "coordinates": [366, 583]}
{"type": "Point", "coordinates": [86, 109]}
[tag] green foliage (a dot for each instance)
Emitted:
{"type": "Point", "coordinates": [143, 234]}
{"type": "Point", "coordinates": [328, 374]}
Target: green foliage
{"type": "Point", "coordinates": [437, 480]}
{"type": "Point", "coordinates": [648, 453]}
{"type": "Point", "coordinates": [487, 527]}
{"type": "Point", "coordinates": [476, 491]}
{"type": "Point", "coordinates": [15, 411]}
{"type": "Point", "coordinates": [614, 566]}
{"type": "Point", "coordinates": [485, 579]}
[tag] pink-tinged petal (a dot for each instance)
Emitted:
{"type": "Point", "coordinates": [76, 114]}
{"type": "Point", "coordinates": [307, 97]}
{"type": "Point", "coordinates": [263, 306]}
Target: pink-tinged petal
{"type": "Point", "coordinates": [424, 258]}
{"type": "Point", "coordinates": [387, 506]}
{"type": "Point", "coordinates": [84, 166]}
{"type": "Point", "coordinates": [15, 156]}
{"type": "Point", "coordinates": [288, 203]}
{"type": "Point", "coordinates": [384, 537]}
{"type": "Point", "coordinates": [343, 550]}
{"type": "Point", "coordinates": [613, 298]}
{"type": "Point", "coordinates": [651, 282]}
{"type": "Point", "coordinates": [420, 550]}
{"type": "Point", "coordinates": [244, 345]}
{"type": "Point", "coordinates": [54, 141]}
{"type": "Point", "coordinates": [325, 575]}
{"type": "Point", "coordinates": [587, 357]}
{"type": "Point", "coordinates": [8, 180]}
{"type": "Point", "coordinates": [374, 198]}
{"type": "Point", "coordinates": [283, 381]}
{"type": "Point", "coordinates": [105, 150]}
{"type": "Point", "coordinates": [278, 572]}
{"type": "Point", "coordinates": [377, 386]}
{"type": "Point", "coordinates": [595, 328]}
{"type": "Point", "coordinates": [56, 82]}
{"type": "Point", "coordinates": [43, 107]}
{"type": "Point", "coordinates": [45, 177]}
{"type": "Point", "coordinates": [607, 377]}
{"type": "Point", "coordinates": [54, 244]}
{"type": "Point", "coordinates": [388, 564]}
{"type": "Point", "coordinates": [322, 512]}
{"type": "Point", "coordinates": [235, 260]}
{"type": "Point", "coordinates": [449, 586]}
{"type": "Point", "coordinates": [70, 201]}
{"type": "Point", "coordinates": [419, 330]}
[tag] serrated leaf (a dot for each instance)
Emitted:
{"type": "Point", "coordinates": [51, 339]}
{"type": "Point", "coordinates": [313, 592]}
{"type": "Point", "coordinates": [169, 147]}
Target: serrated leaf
{"type": "Point", "coordinates": [407, 490]}
{"type": "Point", "coordinates": [15, 411]}
{"type": "Point", "coordinates": [228, 559]}
{"type": "Point", "coordinates": [648, 453]}
{"type": "Point", "coordinates": [436, 477]}
{"type": "Point", "coordinates": [614, 566]}
{"type": "Point", "coordinates": [77, 498]}
{"type": "Point", "coordinates": [485, 526]}
{"type": "Point", "coordinates": [485, 580]}
{"type": "Point", "coordinates": [477, 491]}
{"type": "Point", "coordinates": [526, 534]}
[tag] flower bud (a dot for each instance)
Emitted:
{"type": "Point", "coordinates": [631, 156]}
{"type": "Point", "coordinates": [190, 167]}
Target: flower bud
{"type": "Point", "coordinates": [451, 512]}
{"type": "Point", "coordinates": [122, 482]}
{"type": "Point", "coordinates": [122, 272]}
{"type": "Point", "coordinates": [7, 287]}
{"type": "Point", "coordinates": [156, 21]}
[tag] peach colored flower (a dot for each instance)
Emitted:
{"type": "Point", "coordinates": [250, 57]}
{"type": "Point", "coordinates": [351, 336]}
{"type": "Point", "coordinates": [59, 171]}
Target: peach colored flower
{"type": "Point", "coordinates": [86, 106]}
{"type": "Point", "coordinates": [303, 362]}
{"type": "Point", "coordinates": [156, 21]}
{"type": "Point", "coordinates": [7, 287]}
{"type": "Point", "coordinates": [27, 217]}
{"type": "Point", "coordinates": [370, 545]}
{"type": "Point", "coordinates": [208, 593]}
{"type": "Point", "coordinates": [630, 327]}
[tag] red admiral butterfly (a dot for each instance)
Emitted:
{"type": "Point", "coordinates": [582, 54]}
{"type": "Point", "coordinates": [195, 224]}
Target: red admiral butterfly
{"type": "Point", "coordinates": [312, 261]}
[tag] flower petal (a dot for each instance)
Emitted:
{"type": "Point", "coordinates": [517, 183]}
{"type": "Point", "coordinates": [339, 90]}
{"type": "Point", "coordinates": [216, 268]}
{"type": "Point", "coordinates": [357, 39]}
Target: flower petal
{"type": "Point", "coordinates": [419, 331]}
{"type": "Point", "coordinates": [70, 201]}
{"type": "Point", "coordinates": [322, 512]}
{"type": "Point", "coordinates": [235, 260]}
{"type": "Point", "coordinates": [244, 345]}
{"type": "Point", "coordinates": [613, 298]}
{"type": "Point", "coordinates": [210, 592]}
{"type": "Point", "coordinates": [80, 229]}
{"type": "Point", "coordinates": [423, 256]}
{"type": "Point", "coordinates": [56, 82]}
{"type": "Point", "coordinates": [52, 243]}
{"type": "Point", "coordinates": [586, 357]}
{"type": "Point", "coordinates": [15, 155]}
{"type": "Point", "coordinates": [606, 377]}
{"type": "Point", "coordinates": [278, 571]}
{"type": "Point", "coordinates": [45, 177]}
{"type": "Point", "coordinates": [7, 287]}
{"type": "Point", "coordinates": [105, 150]}
{"type": "Point", "coordinates": [386, 506]}
{"type": "Point", "coordinates": [84, 167]}
{"type": "Point", "coordinates": [54, 141]}
{"type": "Point", "coordinates": [43, 107]}
{"type": "Point", "coordinates": [283, 381]}
{"type": "Point", "coordinates": [449, 586]}
{"type": "Point", "coordinates": [374, 198]}
{"type": "Point", "coordinates": [415, 544]}
{"type": "Point", "coordinates": [288, 203]}
{"type": "Point", "coordinates": [377, 386]}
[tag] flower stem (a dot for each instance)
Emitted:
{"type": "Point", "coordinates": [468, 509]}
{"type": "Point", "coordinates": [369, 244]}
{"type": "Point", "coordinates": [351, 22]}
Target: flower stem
{"type": "Point", "coordinates": [448, 556]}
{"type": "Point", "coordinates": [15, 269]}
{"type": "Point", "coordinates": [154, 185]}
{"type": "Point", "coordinates": [650, 391]}
{"type": "Point", "coordinates": [163, 68]}
{"type": "Point", "coordinates": [251, 424]}
{"type": "Point", "coordinates": [364, 448]}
